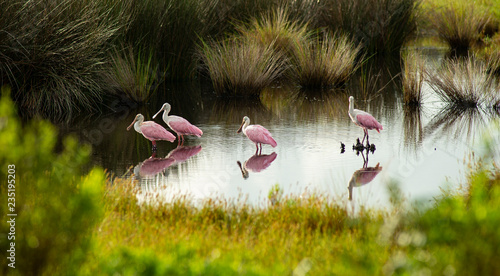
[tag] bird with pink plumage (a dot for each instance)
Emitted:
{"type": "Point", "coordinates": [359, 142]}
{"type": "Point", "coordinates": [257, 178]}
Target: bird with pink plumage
{"type": "Point", "coordinates": [151, 130]}
{"type": "Point", "coordinates": [257, 134]}
{"type": "Point", "coordinates": [364, 120]}
{"type": "Point", "coordinates": [178, 124]}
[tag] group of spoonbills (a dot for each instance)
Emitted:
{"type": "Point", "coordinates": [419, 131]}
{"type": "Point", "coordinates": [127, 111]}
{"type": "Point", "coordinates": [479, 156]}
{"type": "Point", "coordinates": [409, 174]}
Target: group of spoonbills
{"type": "Point", "coordinates": [256, 133]}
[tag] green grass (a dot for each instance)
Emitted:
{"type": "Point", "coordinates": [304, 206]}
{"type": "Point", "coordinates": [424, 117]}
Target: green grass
{"type": "Point", "coordinates": [322, 62]}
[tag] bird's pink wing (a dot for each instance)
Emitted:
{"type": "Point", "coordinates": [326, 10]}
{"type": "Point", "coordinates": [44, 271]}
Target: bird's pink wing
{"type": "Point", "coordinates": [259, 134]}
{"type": "Point", "coordinates": [184, 127]}
{"type": "Point", "coordinates": [367, 121]}
{"type": "Point", "coordinates": [258, 163]}
{"type": "Point", "coordinates": [153, 131]}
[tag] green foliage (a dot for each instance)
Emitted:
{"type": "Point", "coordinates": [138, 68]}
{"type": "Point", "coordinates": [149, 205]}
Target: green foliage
{"type": "Point", "coordinates": [56, 203]}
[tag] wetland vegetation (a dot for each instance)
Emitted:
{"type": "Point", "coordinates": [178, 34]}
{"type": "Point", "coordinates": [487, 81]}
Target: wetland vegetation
{"type": "Point", "coordinates": [65, 57]}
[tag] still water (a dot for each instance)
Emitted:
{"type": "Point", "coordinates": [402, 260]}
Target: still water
{"type": "Point", "coordinates": [424, 150]}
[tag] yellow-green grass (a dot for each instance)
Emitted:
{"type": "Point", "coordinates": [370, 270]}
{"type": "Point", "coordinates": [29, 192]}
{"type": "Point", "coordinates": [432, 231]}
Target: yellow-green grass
{"type": "Point", "coordinates": [460, 24]}
{"type": "Point", "coordinates": [135, 75]}
{"type": "Point", "coordinates": [276, 28]}
{"type": "Point", "coordinates": [242, 67]}
{"type": "Point", "coordinates": [324, 61]}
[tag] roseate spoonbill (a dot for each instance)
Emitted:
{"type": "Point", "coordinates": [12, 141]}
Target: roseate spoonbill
{"type": "Point", "coordinates": [151, 130]}
{"type": "Point", "coordinates": [257, 134]}
{"type": "Point", "coordinates": [178, 124]}
{"type": "Point", "coordinates": [362, 177]}
{"type": "Point", "coordinates": [363, 119]}
{"type": "Point", "coordinates": [256, 163]}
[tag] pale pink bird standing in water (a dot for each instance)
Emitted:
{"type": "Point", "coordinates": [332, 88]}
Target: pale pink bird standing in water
{"type": "Point", "coordinates": [257, 134]}
{"type": "Point", "coordinates": [178, 124]}
{"type": "Point", "coordinates": [151, 130]}
{"type": "Point", "coordinates": [363, 119]}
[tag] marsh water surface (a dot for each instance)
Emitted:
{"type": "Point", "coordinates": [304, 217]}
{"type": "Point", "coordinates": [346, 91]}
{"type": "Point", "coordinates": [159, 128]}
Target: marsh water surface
{"type": "Point", "coordinates": [424, 150]}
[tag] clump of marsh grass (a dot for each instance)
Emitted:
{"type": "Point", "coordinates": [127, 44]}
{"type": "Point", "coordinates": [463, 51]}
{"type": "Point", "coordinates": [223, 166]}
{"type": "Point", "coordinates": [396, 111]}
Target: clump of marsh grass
{"type": "Point", "coordinates": [276, 29]}
{"type": "Point", "coordinates": [326, 61]}
{"type": "Point", "coordinates": [136, 75]}
{"type": "Point", "coordinates": [53, 53]}
{"type": "Point", "coordinates": [413, 78]}
{"type": "Point", "coordinates": [463, 82]}
{"type": "Point", "coordinates": [241, 67]}
{"type": "Point", "coordinates": [459, 25]}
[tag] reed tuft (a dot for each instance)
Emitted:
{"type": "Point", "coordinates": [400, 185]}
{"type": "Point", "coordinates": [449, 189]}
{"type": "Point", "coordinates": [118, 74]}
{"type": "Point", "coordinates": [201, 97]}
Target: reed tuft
{"type": "Point", "coordinates": [325, 61]}
{"type": "Point", "coordinates": [413, 78]}
{"type": "Point", "coordinates": [241, 67]}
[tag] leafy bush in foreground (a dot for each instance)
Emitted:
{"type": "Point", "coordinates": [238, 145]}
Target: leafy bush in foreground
{"type": "Point", "coordinates": [56, 203]}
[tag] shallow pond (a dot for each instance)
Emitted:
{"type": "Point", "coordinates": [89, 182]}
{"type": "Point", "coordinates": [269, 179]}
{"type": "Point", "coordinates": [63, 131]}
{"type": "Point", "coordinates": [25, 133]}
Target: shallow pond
{"type": "Point", "coordinates": [423, 150]}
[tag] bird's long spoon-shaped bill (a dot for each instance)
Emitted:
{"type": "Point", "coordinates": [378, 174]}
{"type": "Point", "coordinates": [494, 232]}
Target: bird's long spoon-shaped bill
{"type": "Point", "coordinates": [154, 116]}
{"type": "Point", "coordinates": [128, 128]}
{"type": "Point", "coordinates": [241, 127]}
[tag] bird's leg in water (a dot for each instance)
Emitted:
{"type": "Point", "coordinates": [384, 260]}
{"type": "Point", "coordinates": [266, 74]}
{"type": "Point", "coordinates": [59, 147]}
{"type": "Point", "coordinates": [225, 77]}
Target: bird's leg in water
{"type": "Point", "coordinates": [154, 146]}
{"type": "Point", "coordinates": [364, 136]}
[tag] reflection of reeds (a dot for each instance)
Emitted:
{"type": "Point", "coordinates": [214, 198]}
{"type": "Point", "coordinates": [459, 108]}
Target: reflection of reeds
{"type": "Point", "coordinates": [460, 26]}
{"type": "Point", "coordinates": [413, 130]}
{"type": "Point", "coordinates": [324, 62]}
{"type": "Point", "coordinates": [463, 82]}
{"type": "Point", "coordinates": [458, 122]}
{"type": "Point", "coordinates": [413, 78]}
{"type": "Point", "coordinates": [241, 67]}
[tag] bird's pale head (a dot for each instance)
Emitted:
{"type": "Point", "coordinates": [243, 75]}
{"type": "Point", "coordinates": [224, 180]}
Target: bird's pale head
{"type": "Point", "coordinates": [351, 99]}
{"type": "Point", "coordinates": [138, 118]}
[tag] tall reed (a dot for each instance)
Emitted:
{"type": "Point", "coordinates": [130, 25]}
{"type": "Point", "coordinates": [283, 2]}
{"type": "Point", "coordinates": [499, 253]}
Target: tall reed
{"type": "Point", "coordinates": [460, 25]}
{"type": "Point", "coordinates": [463, 82]}
{"type": "Point", "coordinates": [324, 61]}
{"type": "Point", "coordinates": [241, 67]}
{"type": "Point", "coordinates": [413, 78]}
{"type": "Point", "coordinates": [135, 75]}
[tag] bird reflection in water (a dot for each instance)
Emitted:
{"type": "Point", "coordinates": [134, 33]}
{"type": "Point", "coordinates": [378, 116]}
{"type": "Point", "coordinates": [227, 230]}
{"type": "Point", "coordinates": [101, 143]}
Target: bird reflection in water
{"type": "Point", "coordinates": [256, 163]}
{"type": "Point", "coordinates": [153, 170]}
{"type": "Point", "coordinates": [364, 175]}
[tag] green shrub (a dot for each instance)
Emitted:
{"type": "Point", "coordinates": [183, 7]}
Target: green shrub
{"type": "Point", "coordinates": [56, 202]}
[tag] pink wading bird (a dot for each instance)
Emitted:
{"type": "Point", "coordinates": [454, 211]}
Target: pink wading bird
{"type": "Point", "coordinates": [178, 124]}
{"type": "Point", "coordinates": [257, 134]}
{"type": "Point", "coordinates": [363, 119]}
{"type": "Point", "coordinates": [151, 130]}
